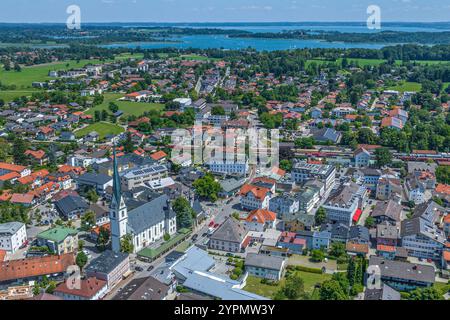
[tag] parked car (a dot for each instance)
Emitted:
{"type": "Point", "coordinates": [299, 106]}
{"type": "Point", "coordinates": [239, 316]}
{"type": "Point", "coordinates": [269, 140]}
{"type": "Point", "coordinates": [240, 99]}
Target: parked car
{"type": "Point", "coordinates": [139, 269]}
{"type": "Point", "coordinates": [194, 237]}
{"type": "Point", "coordinates": [150, 268]}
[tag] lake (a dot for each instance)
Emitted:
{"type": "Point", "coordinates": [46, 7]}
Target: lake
{"type": "Point", "coordinates": [221, 41]}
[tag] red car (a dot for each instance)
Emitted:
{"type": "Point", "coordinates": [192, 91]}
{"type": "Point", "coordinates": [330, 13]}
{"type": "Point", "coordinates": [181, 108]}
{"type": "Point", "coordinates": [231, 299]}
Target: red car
{"type": "Point", "coordinates": [211, 224]}
{"type": "Point", "coordinates": [216, 225]}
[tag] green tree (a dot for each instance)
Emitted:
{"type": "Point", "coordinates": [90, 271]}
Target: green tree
{"type": "Point", "coordinates": [207, 187]}
{"type": "Point", "coordinates": [337, 249]}
{"type": "Point", "coordinates": [332, 290]}
{"type": "Point", "coordinates": [294, 287]}
{"type": "Point", "coordinates": [19, 148]}
{"type": "Point", "coordinates": [370, 222]}
{"type": "Point", "coordinates": [184, 212]}
{"type": "Point", "coordinates": [126, 244]}
{"type": "Point", "coordinates": [383, 157]}
{"type": "Point", "coordinates": [321, 216]}
{"type": "Point", "coordinates": [317, 255]}
{"type": "Point", "coordinates": [103, 237]}
{"type": "Point", "coordinates": [81, 260]}
{"type": "Point", "coordinates": [92, 196]}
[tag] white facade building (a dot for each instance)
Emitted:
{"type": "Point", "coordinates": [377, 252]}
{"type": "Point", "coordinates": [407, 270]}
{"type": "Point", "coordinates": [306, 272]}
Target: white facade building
{"type": "Point", "coordinates": [12, 236]}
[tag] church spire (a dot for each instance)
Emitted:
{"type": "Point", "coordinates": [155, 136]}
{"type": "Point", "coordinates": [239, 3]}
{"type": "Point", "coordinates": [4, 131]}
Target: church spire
{"type": "Point", "coordinates": [117, 192]}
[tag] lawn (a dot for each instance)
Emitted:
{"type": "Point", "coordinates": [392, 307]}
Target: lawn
{"type": "Point", "coordinates": [196, 57]}
{"type": "Point", "coordinates": [9, 96]}
{"type": "Point", "coordinates": [128, 107]}
{"type": "Point", "coordinates": [38, 73]}
{"type": "Point", "coordinates": [102, 128]}
{"type": "Point", "coordinates": [407, 86]}
{"type": "Point", "coordinates": [310, 280]}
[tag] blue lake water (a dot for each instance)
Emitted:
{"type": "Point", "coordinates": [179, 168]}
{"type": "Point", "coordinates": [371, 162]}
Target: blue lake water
{"type": "Point", "coordinates": [221, 41]}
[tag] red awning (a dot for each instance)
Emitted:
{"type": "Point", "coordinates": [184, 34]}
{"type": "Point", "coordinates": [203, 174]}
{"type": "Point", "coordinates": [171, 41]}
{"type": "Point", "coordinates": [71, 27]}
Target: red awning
{"type": "Point", "coordinates": [357, 215]}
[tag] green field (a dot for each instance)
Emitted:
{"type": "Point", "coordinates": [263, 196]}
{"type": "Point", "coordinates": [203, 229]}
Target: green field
{"type": "Point", "coordinates": [9, 96]}
{"type": "Point", "coordinates": [128, 107]}
{"type": "Point", "coordinates": [195, 57]}
{"type": "Point", "coordinates": [310, 280]}
{"type": "Point", "coordinates": [407, 86]}
{"type": "Point", "coordinates": [38, 73]}
{"type": "Point", "coordinates": [102, 128]}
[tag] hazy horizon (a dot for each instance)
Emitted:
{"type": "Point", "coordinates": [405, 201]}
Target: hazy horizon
{"type": "Point", "coordinates": [224, 11]}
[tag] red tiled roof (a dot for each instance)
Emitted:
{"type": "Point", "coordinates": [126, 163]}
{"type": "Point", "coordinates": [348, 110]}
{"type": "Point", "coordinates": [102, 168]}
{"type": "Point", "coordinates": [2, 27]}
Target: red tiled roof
{"type": "Point", "coordinates": [261, 216]}
{"type": "Point", "coordinates": [26, 198]}
{"type": "Point", "coordinates": [382, 247]}
{"type": "Point", "coordinates": [446, 255]}
{"type": "Point", "coordinates": [39, 154]}
{"type": "Point", "coordinates": [12, 167]}
{"type": "Point", "coordinates": [357, 247]}
{"type": "Point", "coordinates": [443, 188]}
{"type": "Point", "coordinates": [9, 176]}
{"type": "Point", "coordinates": [258, 192]}
{"type": "Point", "coordinates": [33, 267]}
{"type": "Point", "coordinates": [89, 288]}
{"type": "Point", "coordinates": [158, 155]}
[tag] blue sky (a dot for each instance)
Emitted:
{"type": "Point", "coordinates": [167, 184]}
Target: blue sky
{"type": "Point", "coordinates": [222, 10]}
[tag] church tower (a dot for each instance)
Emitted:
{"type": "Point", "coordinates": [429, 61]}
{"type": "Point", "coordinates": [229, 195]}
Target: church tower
{"type": "Point", "coordinates": [118, 213]}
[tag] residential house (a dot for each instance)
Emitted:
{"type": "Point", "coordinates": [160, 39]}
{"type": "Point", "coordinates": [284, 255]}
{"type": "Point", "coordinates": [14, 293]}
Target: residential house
{"type": "Point", "coordinates": [90, 289]}
{"type": "Point", "coordinates": [402, 276]}
{"type": "Point", "coordinates": [60, 240]}
{"type": "Point", "coordinates": [228, 237]}
{"type": "Point", "coordinates": [12, 236]}
{"type": "Point", "coordinates": [266, 267]}
{"type": "Point", "coordinates": [260, 220]}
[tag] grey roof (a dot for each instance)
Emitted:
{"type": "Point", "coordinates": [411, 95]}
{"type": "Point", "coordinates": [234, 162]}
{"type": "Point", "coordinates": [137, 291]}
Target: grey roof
{"type": "Point", "coordinates": [230, 231]}
{"type": "Point", "coordinates": [385, 293]}
{"type": "Point", "coordinates": [264, 261]}
{"type": "Point", "coordinates": [231, 184]}
{"type": "Point", "coordinates": [404, 270]}
{"type": "Point", "coordinates": [143, 289]}
{"type": "Point", "coordinates": [359, 234]}
{"type": "Point", "coordinates": [387, 231]}
{"type": "Point", "coordinates": [421, 166]}
{"type": "Point", "coordinates": [193, 269]}
{"type": "Point", "coordinates": [106, 262]}
{"type": "Point", "coordinates": [150, 214]}
{"type": "Point", "coordinates": [94, 178]}
{"type": "Point", "coordinates": [344, 195]}
{"type": "Point", "coordinates": [71, 203]}
{"type": "Point", "coordinates": [429, 211]}
{"type": "Point", "coordinates": [390, 209]}
{"type": "Point", "coordinates": [10, 228]}
{"type": "Point", "coordinates": [326, 134]}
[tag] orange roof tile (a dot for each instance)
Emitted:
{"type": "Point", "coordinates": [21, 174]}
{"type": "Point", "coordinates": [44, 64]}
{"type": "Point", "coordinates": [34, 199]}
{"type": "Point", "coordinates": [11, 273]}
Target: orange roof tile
{"type": "Point", "coordinates": [443, 188]}
{"type": "Point", "coordinates": [261, 216]}
{"type": "Point", "coordinates": [89, 288]}
{"type": "Point", "coordinates": [446, 255]}
{"type": "Point", "coordinates": [33, 267]}
{"type": "Point", "coordinates": [20, 198]}
{"type": "Point", "coordinates": [357, 247]}
{"type": "Point", "coordinates": [39, 154]}
{"type": "Point", "coordinates": [158, 155]}
{"type": "Point", "coordinates": [12, 167]}
{"type": "Point", "coordinates": [9, 176]}
{"type": "Point", "coordinates": [258, 192]}
{"type": "Point", "coordinates": [382, 247]}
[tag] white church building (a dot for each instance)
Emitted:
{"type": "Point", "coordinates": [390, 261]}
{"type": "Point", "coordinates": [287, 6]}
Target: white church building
{"type": "Point", "coordinates": [146, 223]}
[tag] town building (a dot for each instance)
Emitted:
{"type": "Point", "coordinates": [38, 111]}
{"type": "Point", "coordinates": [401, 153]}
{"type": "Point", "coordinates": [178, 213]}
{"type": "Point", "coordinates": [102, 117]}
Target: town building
{"type": "Point", "coordinates": [12, 236]}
